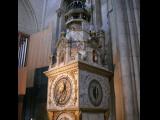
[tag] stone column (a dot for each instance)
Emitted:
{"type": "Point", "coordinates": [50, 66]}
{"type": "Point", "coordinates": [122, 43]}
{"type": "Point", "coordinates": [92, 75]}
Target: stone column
{"type": "Point", "coordinates": [59, 12]}
{"type": "Point", "coordinates": [135, 51]}
{"type": "Point", "coordinates": [136, 8]}
{"type": "Point", "coordinates": [124, 38]}
{"type": "Point", "coordinates": [62, 22]}
{"type": "Point", "coordinates": [117, 112]}
{"type": "Point", "coordinates": [98, 15]}
{"type": "Point", "coordinates": [93, 20]}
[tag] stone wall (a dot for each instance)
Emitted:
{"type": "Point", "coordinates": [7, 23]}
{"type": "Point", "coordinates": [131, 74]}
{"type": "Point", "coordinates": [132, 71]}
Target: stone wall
{"type": "Point", "coordinates": [38, 52]}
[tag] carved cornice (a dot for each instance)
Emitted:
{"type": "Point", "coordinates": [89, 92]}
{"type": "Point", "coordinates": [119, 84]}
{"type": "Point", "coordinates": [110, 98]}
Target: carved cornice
{"type": "Point", "coordinates": [81, 66]}
{"type": "Point", "coordinates": [95, 69]}
{"type": "Point", "coordinates": [94, 110]}
{"type": "Point", "coordinates": [59, 70]}
{"type": "Point", "coordinates": [64, 110]}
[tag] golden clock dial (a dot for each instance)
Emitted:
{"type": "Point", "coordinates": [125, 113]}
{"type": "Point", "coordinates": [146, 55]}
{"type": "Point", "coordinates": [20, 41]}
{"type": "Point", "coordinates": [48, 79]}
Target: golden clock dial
{"type": "Point", "coordinates": [62, 91]}
{"type": "Point", "coordinates": [95, 92]}
{"type": "Point", "coordinates": [65, 116]}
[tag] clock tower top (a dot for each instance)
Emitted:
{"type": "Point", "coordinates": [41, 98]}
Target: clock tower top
{"type": "Point", "coordinates": [76, 14]}
{"type": "Point", "coordinates": [80, 42]}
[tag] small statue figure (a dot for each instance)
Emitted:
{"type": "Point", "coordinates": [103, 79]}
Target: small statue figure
{"type": "Point", "coordinates": [95, 56]}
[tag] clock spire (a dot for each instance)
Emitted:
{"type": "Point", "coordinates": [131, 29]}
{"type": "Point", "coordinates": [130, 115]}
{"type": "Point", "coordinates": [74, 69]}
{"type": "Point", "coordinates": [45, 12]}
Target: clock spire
{"type": "Point", "coordinates": [80, 41]}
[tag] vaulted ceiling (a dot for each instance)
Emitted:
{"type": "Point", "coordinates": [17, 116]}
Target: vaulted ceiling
{"type": "Point", "coordinates": [35, 15]}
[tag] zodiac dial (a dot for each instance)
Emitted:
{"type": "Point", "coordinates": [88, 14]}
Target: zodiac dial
{"type": "Point", "coordinates": [62, 91]}
{"type": "Point", "coordinates": [95, 92]}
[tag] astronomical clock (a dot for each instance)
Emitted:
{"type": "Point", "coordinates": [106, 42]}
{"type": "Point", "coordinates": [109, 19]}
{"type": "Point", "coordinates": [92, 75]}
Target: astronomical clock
{"type": "Point", "coordinates": [78, 83]}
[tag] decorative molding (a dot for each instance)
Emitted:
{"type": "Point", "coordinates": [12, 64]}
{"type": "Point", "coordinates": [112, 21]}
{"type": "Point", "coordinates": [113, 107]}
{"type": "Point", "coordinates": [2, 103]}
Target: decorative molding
{"type": "Point", "coordinates": [93, 110]}
{"type": "Point", "coordinates": [60, 70]}
{"type": "Point", "coordinates": [64, 110]}
{"type": "Point", "coordinates": [94, 69]}
{"type": "Point", "coordinates": [82, 66]}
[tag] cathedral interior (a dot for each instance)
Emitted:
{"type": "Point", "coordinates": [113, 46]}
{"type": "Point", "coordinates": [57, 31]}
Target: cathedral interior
{"type": "Point", "coordinates": [78, 59]}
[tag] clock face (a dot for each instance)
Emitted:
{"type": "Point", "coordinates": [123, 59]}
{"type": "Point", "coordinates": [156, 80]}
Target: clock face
{"type": "Point", "coordinates": [65, 116]}
{"type": "Point", "coordinates": [95, 92]}
{"type": "Point", "coordinates": [62, 91]}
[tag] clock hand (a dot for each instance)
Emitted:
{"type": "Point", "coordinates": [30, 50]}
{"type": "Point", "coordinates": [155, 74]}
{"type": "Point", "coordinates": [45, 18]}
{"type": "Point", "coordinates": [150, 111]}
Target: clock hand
{"type": "Point", "coordinates": [96, 92]}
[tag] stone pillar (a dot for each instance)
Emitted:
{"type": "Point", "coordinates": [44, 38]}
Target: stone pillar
{"type": "Point", "coordinates": [93, 20]}
{"type": "Point", "coordinates": [135, 51]}
{"type": "Point", "coordinates": [123, 44]}
{"type": "Point", "coordinates": [59, 12]}
{"type": "Point", "coordinates": [98, 16]}
{"type": "Point", "coordinates": [62, 22]}
{"type": "Point", "coordinates": [125, 36]}
{"type": "Point", "coordinates": [136, 9]}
